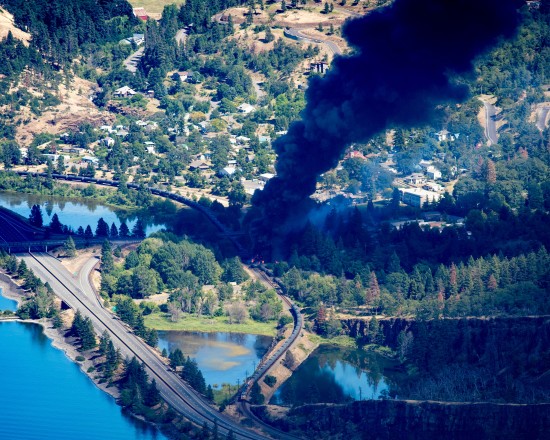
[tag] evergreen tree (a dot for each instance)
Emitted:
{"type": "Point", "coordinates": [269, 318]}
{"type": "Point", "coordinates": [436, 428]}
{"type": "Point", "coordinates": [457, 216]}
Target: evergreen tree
{"type": "Point", "coordinates": [69, 247]}
{"type": "Point", "coordinates": [138, 231]}
{"type": "Point", "coordinates": [107, 262]}
{"type": "Point", "coordinates": [87, 335]}
{"type": "Point", "coordinates": [35, 218]}
{"type": "Point", "coordinates": [256, 396]}
{"type": "Point", "coordinates": [88, 234]}
{"type": "Point", "coordinates": [176, 358]}
{"type": "Point", "coordinates": [124, 232]}
{"type": "Point", "coordinates": [209, 393]}
{"type": "Point", "coordinates": [22, 269]}
{"type": "Point", "coordinates": [114, 231]}
{"type": "Point", "coordinates": [11, 265]}
{"type": "Point", "coordinates": [152, 394]}
{"type": "Point", "coordinates": [102, 229]}
{"type": "Point", "coordinates": [104, 342]}
{"type": "Point", "coordinates": [55, 225]}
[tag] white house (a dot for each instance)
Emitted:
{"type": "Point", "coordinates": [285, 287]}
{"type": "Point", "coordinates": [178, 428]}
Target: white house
{"type": "Point", "coordinates": [124, 92]}
{"type": "Point", "coordinates": [441, 135]}
{"type": "Point", "coordinates": [227, 171]}
{"type": "Point", "coordinates": [415, 179]}
{"type": "Point", "coordinates": [266, 176]}
{"type": "Point", "coordinates": [90, 159]}
{"type": "Point", "coordinates": [108, 141]}
{"type": "Point", "coordinates": [245, 108]}
{"type": "Point", "coordinates": [433, 173]}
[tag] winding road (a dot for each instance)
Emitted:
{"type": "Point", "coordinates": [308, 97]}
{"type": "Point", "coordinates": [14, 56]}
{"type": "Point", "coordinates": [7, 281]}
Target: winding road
{"type": "Point", "coordinates": [79, 295]}
{"type": "Point", "coordinates": [298, 35]}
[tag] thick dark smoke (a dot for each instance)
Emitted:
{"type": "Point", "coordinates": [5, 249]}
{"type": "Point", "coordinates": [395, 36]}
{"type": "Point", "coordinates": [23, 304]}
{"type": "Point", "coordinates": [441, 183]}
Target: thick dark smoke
{"type": "Point", "coordinates": [398, 73]}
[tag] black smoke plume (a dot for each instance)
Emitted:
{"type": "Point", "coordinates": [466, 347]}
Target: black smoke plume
{"type": "Point", "coordinates": [400, 69]}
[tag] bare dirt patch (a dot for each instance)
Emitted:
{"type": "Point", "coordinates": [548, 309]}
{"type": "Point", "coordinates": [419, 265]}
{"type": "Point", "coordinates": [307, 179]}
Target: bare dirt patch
{"type": "Point", "coordinates": [75, 109]}
{"type": "Point", "coordinates": [7, 25]}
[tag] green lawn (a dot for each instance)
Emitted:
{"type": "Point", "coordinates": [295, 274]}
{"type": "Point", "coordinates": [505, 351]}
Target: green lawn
{"type": "Point", "coordinates": [161, 321]}
{"type": "Point", "coordinates": [154, 6]}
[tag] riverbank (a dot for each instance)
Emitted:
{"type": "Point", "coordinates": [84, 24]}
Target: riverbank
{"type": "Point", "coordinates": [11, 290]}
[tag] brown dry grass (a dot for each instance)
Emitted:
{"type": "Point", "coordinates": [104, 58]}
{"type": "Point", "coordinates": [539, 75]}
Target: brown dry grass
{"type": "Point", "coordinates": [154, 7]}
{"type": "Point", "coordinates": [6, 25]}
{"type": "Point", "coordinates": [75, 108]}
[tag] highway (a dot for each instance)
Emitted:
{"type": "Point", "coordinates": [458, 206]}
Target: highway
{"type": "Point", "coordinates": [77, 293]}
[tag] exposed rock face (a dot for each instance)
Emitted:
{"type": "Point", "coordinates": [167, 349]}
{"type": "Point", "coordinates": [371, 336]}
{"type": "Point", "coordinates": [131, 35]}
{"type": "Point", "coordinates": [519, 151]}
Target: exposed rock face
{"type": "Point", "coordinates": [498, 327]}
{"type": "Point", "coordinates": [411, 420]}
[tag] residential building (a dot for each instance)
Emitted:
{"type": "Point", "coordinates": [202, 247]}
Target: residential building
{"type": "Point", "coordinates": [433, 173]}
{"type": "Point", "coordinates": [124, 92]}
{"type": "Point", "coordinates": [418, 197]}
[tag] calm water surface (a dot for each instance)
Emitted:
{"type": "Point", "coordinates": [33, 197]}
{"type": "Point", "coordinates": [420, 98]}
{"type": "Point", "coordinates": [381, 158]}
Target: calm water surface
{"type": "Point", "coordinates": [222, 357]}
{"type": "Point", "coordinates": [44, 396]}
{"type": "Point", "coordinates": [71, 213]}
{"type": "Point", "coordinates": [335, 375]}
{"type": "Point", "coordinates": [6, 303]}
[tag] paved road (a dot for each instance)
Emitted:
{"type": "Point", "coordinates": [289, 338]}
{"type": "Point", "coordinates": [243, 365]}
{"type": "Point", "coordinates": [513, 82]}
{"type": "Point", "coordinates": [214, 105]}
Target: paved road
{"type": "Point", "coordinates": [542, 116]}
{"type": "Point", "coordinates": [173, 390]}
{"type": "Point", "coordinates": [293, 32]}
{"type": "Point", "coordinates": [132, 61]}
{"type": "Point", "coordinates": [181, 36]}
{"type": "Point", "coordinates": [490, 123]}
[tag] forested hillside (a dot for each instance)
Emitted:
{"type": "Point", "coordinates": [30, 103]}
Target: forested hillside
{"type": "Point", "coordinates": [61, 28]}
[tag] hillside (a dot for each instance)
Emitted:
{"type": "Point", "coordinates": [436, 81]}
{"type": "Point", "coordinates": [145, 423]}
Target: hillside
{"type": "Point", "coordinates": [7, 25]}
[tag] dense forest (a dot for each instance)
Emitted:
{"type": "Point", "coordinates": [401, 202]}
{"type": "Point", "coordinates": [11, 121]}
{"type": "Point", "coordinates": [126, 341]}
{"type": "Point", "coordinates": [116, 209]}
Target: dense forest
{"type": "Point", "coordinates": [61, 29]}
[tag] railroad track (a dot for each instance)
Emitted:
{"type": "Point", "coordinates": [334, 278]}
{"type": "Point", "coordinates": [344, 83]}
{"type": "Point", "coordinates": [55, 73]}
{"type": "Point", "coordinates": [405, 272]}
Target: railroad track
{"type": "Point", "coordinates": [171, 387]}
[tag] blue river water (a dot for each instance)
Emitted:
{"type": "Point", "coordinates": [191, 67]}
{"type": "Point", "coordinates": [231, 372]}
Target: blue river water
{"type": "Point", "coordinates": [44, 396]}
{"type": "Point", "coordinates": [71, 212]}
{"type": "Point", "coordinates": [6, 303]}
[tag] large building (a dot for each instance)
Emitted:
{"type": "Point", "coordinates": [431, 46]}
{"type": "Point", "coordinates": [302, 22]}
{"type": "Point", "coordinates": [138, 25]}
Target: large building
{"type": "Point", "coordinates": [418, 197]}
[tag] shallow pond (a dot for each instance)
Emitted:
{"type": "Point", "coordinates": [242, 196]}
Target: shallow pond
{"type": "Point", "coordinates": [222, 357]}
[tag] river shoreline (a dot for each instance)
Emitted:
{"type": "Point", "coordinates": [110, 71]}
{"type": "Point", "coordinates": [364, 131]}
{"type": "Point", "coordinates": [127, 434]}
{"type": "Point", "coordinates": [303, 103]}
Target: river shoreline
{"type": "Point", "coordinates": [13, 291]}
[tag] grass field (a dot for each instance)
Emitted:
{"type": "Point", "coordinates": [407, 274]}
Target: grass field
{"type": "Point", "coordinates": [154, 6]}
{"type": "Point", "coordinates": [342, 340]}
{"type": "Point", "coordinates": [161, 321]}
